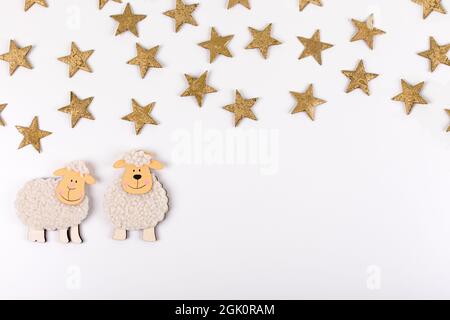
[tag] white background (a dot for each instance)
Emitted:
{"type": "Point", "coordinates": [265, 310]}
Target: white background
{"type": "Point", "coordinates": [353, 205]}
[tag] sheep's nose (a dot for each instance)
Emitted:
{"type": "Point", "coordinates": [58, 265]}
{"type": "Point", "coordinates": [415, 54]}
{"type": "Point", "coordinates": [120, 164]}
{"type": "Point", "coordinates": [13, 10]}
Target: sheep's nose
{"type": "Point", "coordinates": [137, 176]}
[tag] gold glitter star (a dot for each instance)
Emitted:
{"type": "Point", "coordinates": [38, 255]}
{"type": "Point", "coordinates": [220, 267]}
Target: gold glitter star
{"type": "Point", "coordinates": [304, 3]}
{"type": "Point", "coordinates": [262, 40]}
{"type": "Point", "coordinates": [429, 6]}
{"type": "Point", "coordinates": [242, 108]}
{"type": "Point", "coordinates": [232, 3]}
{"type": "Point", "coordinates": [198, 88]}
{"type": "Point", "coordinates": [128, 21]}
{"type": "Point", "coordinates": [2, 107]}
{"type": "Point", "coordinates": [217, 45]}
{"type": "Point", "coordinates": [32, 135]}
{"type": "Point", "coordinates": [436, 54]}
{"type": "Point", "coordinates": [145, 59]}
{"type": "Point", "coordinates": [366, 31]}
{"type": "Point", "coordinates": [30, 3]}
{"type": "Point", "coordinates": [448, 113]}
{"type": "Point", "coordinates": [359, 79]}
{"type": "Point", "coordinates": [77, 60]}
{"type": "Point", "coordinates": [306, 102]}
{"type": "Point", "coordinates": [410, 95]}
{"type": "Point", "coordinates": [140, 116]}
{"type": "Point", "coordinates": [314, 47]}
{"type": "Point", "coordinates": [16, 57]}
{"type": "Point", "coordinates": [78, 108]}
{"type": "Point", "coordinates": [101, 3]}
{"type": "Point", "coordinates": [182, 14]}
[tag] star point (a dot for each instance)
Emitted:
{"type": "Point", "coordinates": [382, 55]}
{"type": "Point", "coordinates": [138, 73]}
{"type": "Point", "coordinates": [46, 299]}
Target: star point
{"type": "Point", "coordinates": [429, 6]}
{"type": "Point", "coordinates": [182, 14]}
{"type": "Point", "coordinates": [366, 31]}
{"type": "Point", "coordinates": [128, 21]}
{"type": "Point", "coordinates": [30, 3]}
{"type": "Point", "coordinates": [314, 47]}
{"type": "Point", "coordinates": [102, 3]}
{"type": "Point", "coordinates": [245, 3]}
{"type": "Point", "coordinates": [448, 113]}
{"type": "Point", "coordinates": [306, 102]}
{"type": "Point", "coordinates": [242, 108]}
{"type": "Point", "coordinates": [304, 3]}
{"type": "Point", "coordinates": [359, 78]}
{"type": "Point", "coordinates": [2, 107]}
{"type": "Point", "coordinates": [217, 45]}
{"type": "Point", "coordinates": [16, 57]}
{"type": "Point", "coordinates": [145, 59]}
{"type": "Point", "coordinates": [77, 60]}
{"type": "Point", "coordinates": [436, 54]}
{"type": "Point", "coordinates": [141, 116]}
{"type": "Point", "coordinates": [262, 40]}
{"type": "Point", "coordinates": [32, 135]}
{"type": "Point", "coordinates": [410, 95]}
{"type": "Point", "coordinates": [198, 88]}
{"type": "Point", "coordinates": [78, 108]}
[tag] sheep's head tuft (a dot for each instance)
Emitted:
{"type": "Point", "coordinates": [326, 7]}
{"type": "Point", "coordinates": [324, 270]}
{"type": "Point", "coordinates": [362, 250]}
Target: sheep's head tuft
{"type": "Point", "coordinates": [137, 177]}
{"type": "Point", "coordinates": [71, 189]}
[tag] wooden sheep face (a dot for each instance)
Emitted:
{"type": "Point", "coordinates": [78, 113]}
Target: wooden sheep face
{"type": "Point", "coordinates": [137, 180]}
{"type": "Point", "coordinates": [71, 189]}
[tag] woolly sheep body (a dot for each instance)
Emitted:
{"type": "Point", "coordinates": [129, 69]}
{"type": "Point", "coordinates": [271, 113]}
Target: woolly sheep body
{"type": "Point", "coordinates": [136, 212]}
{"type": "Point", "coordinates": [38, 207]}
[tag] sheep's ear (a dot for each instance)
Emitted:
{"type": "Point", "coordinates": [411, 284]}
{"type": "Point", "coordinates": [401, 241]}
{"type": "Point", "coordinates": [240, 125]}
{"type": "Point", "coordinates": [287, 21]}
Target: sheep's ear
{"type": "Point", "coordinates": [119, 164]}
{"type": "Point", "coordinates": [155, 165]}
{"type": "Point", "coordinates": [60, 172]}
{"type": "Point", "coordinates": [89, 179]}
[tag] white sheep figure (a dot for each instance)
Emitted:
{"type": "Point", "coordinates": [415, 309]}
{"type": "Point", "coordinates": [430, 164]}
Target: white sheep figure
{"type": "Point", "coordinates": [136, 200]}
{"type": "Point", "coordinates": [57, 203]}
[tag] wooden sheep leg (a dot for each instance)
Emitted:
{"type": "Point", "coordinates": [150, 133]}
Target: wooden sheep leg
{"type": "Point", "coordinates": [36, 235]}
{"type": "Point", "coordinates": [120, 234]}
{"type": "Point", "coordinates": [149, 235]}
{"type": "Point", "coordinates": [75, 234]}
{"type": "Point", "coordinates": [63, 237]}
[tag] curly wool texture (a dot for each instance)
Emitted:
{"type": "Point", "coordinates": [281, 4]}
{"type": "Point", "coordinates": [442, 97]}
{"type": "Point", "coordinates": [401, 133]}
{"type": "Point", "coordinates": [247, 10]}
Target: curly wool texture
{"type": "Point", "coordinates": [39, 208]}
{"type": "Point", "coordinates": [78, 166]}
{"type": "Point", "coordinates": [137, 158]}
{"type": "Point", "coordinates": [136, 212]}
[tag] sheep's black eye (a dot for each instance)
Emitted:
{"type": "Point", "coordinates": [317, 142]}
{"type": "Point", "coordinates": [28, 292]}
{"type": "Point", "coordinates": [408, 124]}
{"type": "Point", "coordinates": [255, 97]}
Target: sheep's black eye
{"type": "Point", "coordinates": [71, 180]}
{"type": "Point", "coordinates": [139, 170]}
{"type": "Point", "coordinates": [76, 181]}
{"type": "Point", "coordinates": [134, 170]}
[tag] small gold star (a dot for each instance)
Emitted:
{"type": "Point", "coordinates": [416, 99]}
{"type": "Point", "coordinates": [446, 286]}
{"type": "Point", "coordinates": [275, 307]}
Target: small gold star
{"type": "Point", "coordinates": [232, 3]}
{"type": "Point", "coordinates": [410, 95]}
{"type": "Point", "coordinates": [140, 116]}
{"type": "Point", "coordinates": [262, 40]}
{"type": "Point", "coordinates": [306, 102]}
{"type": "Point", "coordinates": [314, 47]}
{"type": "Point", "coordinates": [448, 113]}
{"type": "Point", "coordinates": [2, 107]}
{"type": "Point", "coordinates": [128, 21]}
{"type": "Point", "coordinates": [436, 54]}
{"type": "Point", "coordinates": [429, 6]}
{"type": "Point", "coordinates": [30, 3]}
{"type": "Point", "coordinates": [16, 57]}
{"type": "Point", "coordinates": [304, 3]}
{"type": "Point", "coordinates": [198, 88]}
{"type": "Point", "coordinates": [32, 135]}
{"type": "Point", "coordinates": [77, 60]}
{"type": "Point", "coordinates": [217, 45]}
{"type": "Point", "coordinates": [145, 59]}
{"type": "Point", "coordinates": [78, 108]}
{"type": "Point", "coordinates": [359, 79]}
{"type": "Point", "coordinates": [101, 3]}
{"type": "Point", "coordinates": [366, 31]}
{"type": "Point", "coordinates": [182, 14]}
{"type": "Point", "coordinates": [242, 108]}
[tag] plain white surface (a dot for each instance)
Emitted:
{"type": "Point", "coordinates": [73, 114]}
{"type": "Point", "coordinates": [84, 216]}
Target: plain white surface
{"type": "Point", "coordinates": [353, 205]}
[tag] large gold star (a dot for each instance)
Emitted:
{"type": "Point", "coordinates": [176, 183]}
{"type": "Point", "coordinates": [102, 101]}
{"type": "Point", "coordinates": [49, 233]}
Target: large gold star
{"type": "Point", "coordinates": [359, 79]}
{"type": "Point", "coordinates": [78, 108]}
{"type": "Point", "coordinates": [198, 88]}
{"type": "Point", "coordinates": [2, 107]}
{"type": "Point", "coordinates": [101, 3]}
{"type": "Point", "coordinates": [145, 59]}
{"type": "Point", "coordinates": [77, 60]}
{"type": "Point", "coordinates": [410, 95]}
{"type": "Point", "coordinates": [429, 6]}
{"type": "Point", "coordinates": [32, 135]}
{"type": "Point", "coordinates": [306, 102]}
{"type": "Point", "coordinates": [16, 57]}
{"type": "Point", "coordinates": [304, 3]}
{"type": "Point", "coordinates": [262, 40]}
{"type": "Point", "coordinates": [30, 3]}
{"type": "Point", "coordinates": [182, 14]}
{"type": "Point", "coordinates": [242, 108]}
{"type": "Point", "coordinates": [128, 21]}
{"type": "Point", "coordinates": [217, 45]}
{"type": "Point", "coordinates": [448, 113]}
{"type": "Point", "coordinates": [314, 47]}
{"type": "Point", "coordinates": [366, 31]}
{"type": "Point", "coordinates": [140, 116]}
{"type": "Point", "coordinates": [436, 54]}
{"type": "Point", "coordinates": [232, 3]}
